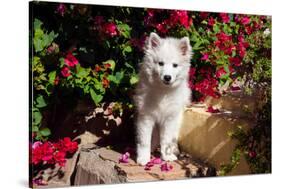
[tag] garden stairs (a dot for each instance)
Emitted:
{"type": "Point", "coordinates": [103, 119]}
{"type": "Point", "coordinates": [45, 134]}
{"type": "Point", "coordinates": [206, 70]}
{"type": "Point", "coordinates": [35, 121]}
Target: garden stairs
{"type": "Point", "coordinates": [203, 140]}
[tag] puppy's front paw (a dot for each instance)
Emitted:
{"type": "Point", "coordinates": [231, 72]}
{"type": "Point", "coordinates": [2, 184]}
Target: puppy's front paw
{"type": "Point", "coordinates": [169, 157]}
{"type": "Point", "coordinates": [143, 160]}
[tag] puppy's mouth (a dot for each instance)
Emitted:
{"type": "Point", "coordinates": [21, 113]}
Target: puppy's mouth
{"type": "Point", "coordinates": [167, 82]}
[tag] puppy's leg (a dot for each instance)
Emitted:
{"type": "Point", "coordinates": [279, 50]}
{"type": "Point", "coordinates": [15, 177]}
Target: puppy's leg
{"type": "Point", "coordinates": [145, 126]}
{"type": "Point", "coordinates": [155, 139]}
{"type": "Point", "coordinates": [169, 138]}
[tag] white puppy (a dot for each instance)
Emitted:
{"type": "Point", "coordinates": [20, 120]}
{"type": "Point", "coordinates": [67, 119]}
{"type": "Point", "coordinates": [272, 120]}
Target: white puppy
{"type": "Point", "coordinates": [161, 95]}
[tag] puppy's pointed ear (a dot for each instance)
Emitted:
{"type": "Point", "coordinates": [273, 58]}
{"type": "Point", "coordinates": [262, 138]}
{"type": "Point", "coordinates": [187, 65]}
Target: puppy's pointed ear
{"type": "Point", "coordinates": [185, 47]}
{"type": "Point", "coordinates": [154, 41]}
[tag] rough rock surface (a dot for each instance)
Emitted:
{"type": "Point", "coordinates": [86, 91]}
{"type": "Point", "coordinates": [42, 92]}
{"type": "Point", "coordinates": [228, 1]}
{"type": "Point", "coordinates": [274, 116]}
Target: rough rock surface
{"type": "Point", "coordinates": [101, 166]}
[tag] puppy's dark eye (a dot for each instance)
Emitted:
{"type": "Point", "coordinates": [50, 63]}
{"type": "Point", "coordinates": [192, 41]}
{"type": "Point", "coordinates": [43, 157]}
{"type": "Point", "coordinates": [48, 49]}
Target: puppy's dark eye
{"type": "Point", "coordinates": [175, 65]}
{"type": "Point", "coordinates": [161, 63]}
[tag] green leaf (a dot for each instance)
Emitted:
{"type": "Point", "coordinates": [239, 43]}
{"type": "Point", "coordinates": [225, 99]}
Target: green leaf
{"type": "Point", "coordinates": [125, 30]}
{"type": "Point", "coordinates": [95, 97]}
{"type": "Point", "coordinates": [37, 117]}
{"type": "Point", "coordinates": [35, 128]}
{"type": "Point", "coordinates": [40, 102]}
{"type": "Point", "coordinates": [133, 80]}
{"type": "Point", "coordinates": [216, 28]}
{"type": "Point", "coordinates": [119, 76]}
{"type": "Point", "coordinates": [45, 131]}
{"type": "Point", "coordinates": [82, 72]}
{"type": "Point", "coordinates": [37, 24]}
{"type": "Point", "coordinates": [52, 76]}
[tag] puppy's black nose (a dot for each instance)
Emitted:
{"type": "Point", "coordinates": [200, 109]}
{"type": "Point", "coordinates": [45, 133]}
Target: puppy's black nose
{"type": "Point", "coordinates": [167, 78]}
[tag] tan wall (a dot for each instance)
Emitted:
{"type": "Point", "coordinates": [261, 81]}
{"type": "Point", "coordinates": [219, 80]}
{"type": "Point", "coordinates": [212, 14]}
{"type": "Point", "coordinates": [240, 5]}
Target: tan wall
{"type": "Point", "coordinates": [204, 136]}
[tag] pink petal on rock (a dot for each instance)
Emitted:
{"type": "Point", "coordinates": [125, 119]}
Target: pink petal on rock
{"type": "Point", "coordinates": [156, 161]}
{"type": "Point", "coordinates": [165, 167]}
{"type": "Point", "coordinates": [124, 158]}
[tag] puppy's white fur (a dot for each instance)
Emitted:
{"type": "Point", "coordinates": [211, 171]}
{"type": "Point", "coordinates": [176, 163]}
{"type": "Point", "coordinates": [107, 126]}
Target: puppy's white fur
{"type": "Point", "coordinates": [160, 101]}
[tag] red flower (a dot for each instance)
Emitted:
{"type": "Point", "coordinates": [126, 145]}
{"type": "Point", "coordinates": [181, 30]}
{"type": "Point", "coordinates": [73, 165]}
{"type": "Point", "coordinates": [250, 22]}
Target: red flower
{"type": "Point", "coordinates": [70, 60]}
{"type": "Point", "coordinates": [97, 68]}
{"type": "Point", "coordinates": [59, 158]}
{"type": "Point", "coordinates": [236, 61]}
{"type": "Point", "coordinates": [180, 17]}
{"type": "Point", "coordinates": [65, 72]}
{"type": "Point", "coordinates": [204, 15]}
{"type": "Point", "coordinates": [211, 21]}
{"type": "Point", "coordinates": [223, 37]}
{"type": "Point", "coordinates": [161, 27]}
{"type": "Point", "coordinates": [225, 18]}
{"type": "Point", "coordinates": [105, 82]}
{"type": "Point", "coordinates": [110, 29]}
{"type": "Point", "coordinates": [220, 72]}
{"type": "Point", "coordinates": [107, 66]}
{"type": "Point", "coordinates": [66, 145]}
{"type": "Point", "coordinates": [212, 110]}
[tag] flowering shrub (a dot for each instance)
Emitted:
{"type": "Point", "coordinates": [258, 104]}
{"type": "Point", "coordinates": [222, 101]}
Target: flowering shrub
{"type": "Point", "coordinates": [81, 51]}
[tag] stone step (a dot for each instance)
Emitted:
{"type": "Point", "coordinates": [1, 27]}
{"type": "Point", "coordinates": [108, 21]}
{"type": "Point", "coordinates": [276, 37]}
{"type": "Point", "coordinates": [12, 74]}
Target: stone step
{"type": "Point", "coordinates": [204, 135]}
{"type": "Point", "coordinates": [101, 166]}
{"type": "Point", "coordinates": [237, 102]}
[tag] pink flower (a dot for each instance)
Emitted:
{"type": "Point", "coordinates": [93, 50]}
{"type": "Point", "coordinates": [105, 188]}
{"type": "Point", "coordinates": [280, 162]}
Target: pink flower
{"type": "Point", "coordinates": [245, 20]}
{"type": "Point", "coordinates": [165, 167]}
{"type": "Point", "coordinates": [205, 56]}
{"type": "Point", "coordinates": [161, 27]}
{"type": "Point", "coordinates": [61, 9]}
{"type": "Point", "coordinates": [148, 166]}
{"type": "Point", "coordinates": [156, 161]}
{"type": "Point", "coordinates": [212, 110]}
{"type": "Point", "coordinates": [225, 18]}
{"type": "Point", "coordinates": [252, 154]}
{"type": "Point", "coordinates": [70, 60]}
{"type": "Point", "coordinates": [110, 29]}
{"type": "Point", "coordinates": [65, 72]}
{"type": "Point", "coordinates": [39, 181]}
{"type": "Point", "coordinates": [124, 158]}
{"type": "Point", "coordinates": [36, 144]}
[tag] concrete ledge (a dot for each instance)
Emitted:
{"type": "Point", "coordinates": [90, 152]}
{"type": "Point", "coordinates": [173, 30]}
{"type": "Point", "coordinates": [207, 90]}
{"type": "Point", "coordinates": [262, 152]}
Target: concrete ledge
{"type": "Point", "coordinates": [204, 135]}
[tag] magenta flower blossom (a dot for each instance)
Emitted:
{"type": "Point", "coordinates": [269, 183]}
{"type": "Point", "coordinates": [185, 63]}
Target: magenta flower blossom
{"type": "Point", "coordinates": [70, 60]}
{"type": "Point", "coordinates": [225, 18]}
{"type": "Point", "coordinates": [36, 144]}
{"type": "Point", "coordinates": [166, 167]}
{"type": "Point", "coordinates": [205, 56]}
{"type": "Point", "coordinates": [156, 161]}
{"type": "Point", "coordinates": [124, 158]}
{"type": "Point", "coordinates": [61, 9]}
{"type": "Point", "coordinates": [148, 166]}
{"type": "Point", "coordinates": [245, 20]}
{"type": "Point", "coordinates": [110, 29]}
{"type": "Point", "coordinates": [65, 72]}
